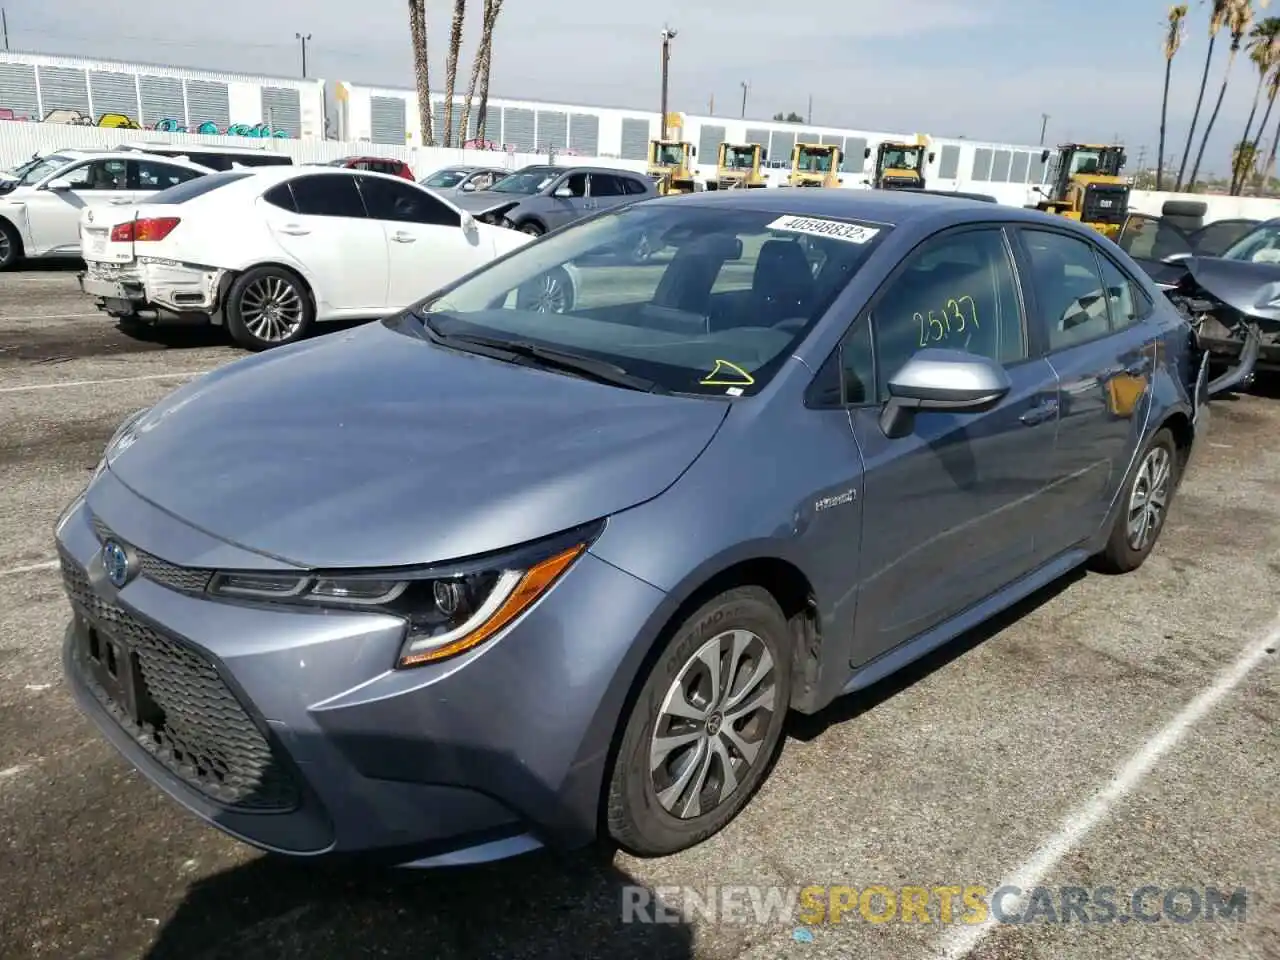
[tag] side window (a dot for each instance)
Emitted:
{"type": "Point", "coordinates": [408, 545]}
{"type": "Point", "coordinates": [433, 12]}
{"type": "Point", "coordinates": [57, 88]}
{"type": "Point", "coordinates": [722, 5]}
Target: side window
{"type": "Point", "coordinates": [605, 185]}
{"type": "Point", "coordinates": [577, 184]}
{"type": "Point", "coordinates": [1068, 286]}
{"type": "Point", "coordinates": [281, 196]}
{"type": "Point", "coordinates": [393, 200]}
{"type": "Point", "coordinates": [327, 195]}
{"type": "Point", "coordinates": [857, 364]}
{"type": "Point", "coordinates": [99, 175]}
{"type": "Point", "coordinates": [152, 175]}
{"type": "Point", "coordinates": [632, 185]}
{"type": "Point", "coordinates": [955, 291]}
{"type": "Point", "coordinates": [1126, 302]}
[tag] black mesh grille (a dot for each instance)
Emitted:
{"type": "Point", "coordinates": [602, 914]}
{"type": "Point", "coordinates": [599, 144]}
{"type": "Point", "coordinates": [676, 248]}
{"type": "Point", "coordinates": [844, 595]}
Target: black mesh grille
{"type": "Point", "coordinates": [1105, 203]}
{"type": "Point", "coordinates": [201, 732]}
{"type": "Point", "coordinates": [182, 579]}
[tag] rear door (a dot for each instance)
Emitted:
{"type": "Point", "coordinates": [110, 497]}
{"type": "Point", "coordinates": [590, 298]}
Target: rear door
{"type": "Point", "coordinates": [55, 214]}
{"type": "Point", "coordinates": [321, 222]}
{"type": "Point", "coordinates": [426, 245]}
{"type": "Point", "coordinates": [1093, 318]}
{"type": "Point", "coordinates": [605, 190]}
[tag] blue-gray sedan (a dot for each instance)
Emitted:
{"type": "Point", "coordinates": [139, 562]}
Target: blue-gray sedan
{"type": "Point", "coordinates": [477, 579]}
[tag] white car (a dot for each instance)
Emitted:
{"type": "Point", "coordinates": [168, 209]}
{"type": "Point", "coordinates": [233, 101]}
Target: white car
{"type": "Point", "coordinates": [269, 253]}
{"type": "Point", "coordinates": [41, 208]}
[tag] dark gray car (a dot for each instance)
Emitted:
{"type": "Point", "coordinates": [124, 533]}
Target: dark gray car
{"type": "Point", "coordinates": [540, 198]}
{"type": "Point", "coordinates": [475, 579]}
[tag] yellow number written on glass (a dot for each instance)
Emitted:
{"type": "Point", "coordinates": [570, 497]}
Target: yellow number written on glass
{"type": "Point", "coordinates": [956, 316]}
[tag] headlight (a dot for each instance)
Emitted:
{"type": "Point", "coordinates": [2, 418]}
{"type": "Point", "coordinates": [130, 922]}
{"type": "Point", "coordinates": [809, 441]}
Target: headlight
{"type": "Point", "coordinates": [115, 443]}
{"type": "Point", "coordinates": [447, 610]}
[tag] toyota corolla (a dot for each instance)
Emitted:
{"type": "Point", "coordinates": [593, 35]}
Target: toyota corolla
{"type": "Point", "coordinates": [477, 579]}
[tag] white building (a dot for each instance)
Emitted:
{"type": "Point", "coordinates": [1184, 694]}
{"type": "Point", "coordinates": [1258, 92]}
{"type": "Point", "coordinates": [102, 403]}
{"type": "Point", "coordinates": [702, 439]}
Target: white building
{"type": "Point", "coordinates": [111, 94]}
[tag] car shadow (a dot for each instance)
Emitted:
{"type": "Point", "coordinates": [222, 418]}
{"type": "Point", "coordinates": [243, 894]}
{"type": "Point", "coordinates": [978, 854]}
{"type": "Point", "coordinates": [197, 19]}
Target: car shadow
{"type": "Point", "coordinates": [49, 265]}
{"type": "Point", "coordinates": [539, 905]}
{"type": "Point", "coordinates": [850, 707]}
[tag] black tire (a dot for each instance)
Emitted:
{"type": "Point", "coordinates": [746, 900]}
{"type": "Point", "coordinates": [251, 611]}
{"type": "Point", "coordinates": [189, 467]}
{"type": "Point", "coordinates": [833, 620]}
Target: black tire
{"type": "Point", "coordinates": [1122, 554]}
{"type": "Point", "coordinates": [531, 228]}
{"type": "Point", "coordinates": [551, 292]}
{"type": "Point", "coordinates": [10, 246]}
{"type": "Point", "coordinates": [243, 296]}
{"type": "Point", "coordinates": [1184, 208]}
{"type": "Point", "coordinates": [636, 818]}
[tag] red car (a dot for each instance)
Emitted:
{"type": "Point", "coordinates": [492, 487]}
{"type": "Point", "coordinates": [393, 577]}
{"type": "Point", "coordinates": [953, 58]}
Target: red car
{"type": "Point", "coordinates": [396, 168]}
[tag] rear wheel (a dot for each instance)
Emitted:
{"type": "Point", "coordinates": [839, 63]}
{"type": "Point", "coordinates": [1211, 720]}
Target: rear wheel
{"type": "Point", "coordinates": [550, 293]}
{"type": "Point", "coordinates": [10, 246]}
{"type": "Point", "coordinates": [705, 728]}
{"type": "Point", "coordinates": [532, 229]}
{"type": "Point", "coordinates": [268, 307]}
{"type": "Point", "coordinates": [1146, 504]}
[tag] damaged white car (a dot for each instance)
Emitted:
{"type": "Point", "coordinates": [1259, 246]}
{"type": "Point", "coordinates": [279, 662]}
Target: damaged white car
{"type": "Point", "coordinates": [273, 252]}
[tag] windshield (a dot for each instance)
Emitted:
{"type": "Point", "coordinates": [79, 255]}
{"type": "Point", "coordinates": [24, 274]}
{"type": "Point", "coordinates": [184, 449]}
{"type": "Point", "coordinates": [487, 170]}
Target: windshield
{"type": "Point", "coordinates": [814, 161]}
{"type": "Point", "coordinates": [39, 169]}
{"type": "Point", "coordinates": [717, 304]}
{"type": "Point", "coordinates": [670, 154]}
{"type": "Point", "coordinates": [527, 182]}
{"type": "Point", "coordinates": [1261, 245]}
{"type": "Point", "coordinates": [741, 158]}
{"type": "Point", "coordinates": [900, 159]}
{"type": "Point", "coordinates": [445, 178]}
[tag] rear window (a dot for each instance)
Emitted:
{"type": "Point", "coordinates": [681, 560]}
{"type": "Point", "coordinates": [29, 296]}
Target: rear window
{"type": "Point", "coordinates": [196, 188]}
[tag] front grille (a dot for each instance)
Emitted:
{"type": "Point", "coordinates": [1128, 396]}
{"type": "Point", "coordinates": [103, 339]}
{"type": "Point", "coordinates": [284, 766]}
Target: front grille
{"type": "Point", "coordinates": [198, 729]}
{"type": "Point", "coordinates": [1105, 203]}
{"type": "Point", "coordinates": [182, 579]}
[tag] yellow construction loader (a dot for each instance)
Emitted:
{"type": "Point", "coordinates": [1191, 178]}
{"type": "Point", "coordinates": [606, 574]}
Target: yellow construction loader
{"type": "Point", "coordinates": [1085, 184]}
{"type": "Point", "coordinates": [815, 165]}
{"type": "Point", "coordinates": [671, 165]}
{"type": "Point", "coordinates": [738, 165]}
{"type": "Point", "coordinates": [900, 164]}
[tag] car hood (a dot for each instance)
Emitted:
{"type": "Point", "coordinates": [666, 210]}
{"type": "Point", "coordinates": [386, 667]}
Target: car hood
{"type": "Point", "coordinates": [375, 447]}
{"type": "Point", "coordinates": [482, 201]}
{"type": "Point", "coordinates": [1252, 288]}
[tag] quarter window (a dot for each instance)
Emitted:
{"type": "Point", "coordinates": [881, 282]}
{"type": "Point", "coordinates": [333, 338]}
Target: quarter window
{"type": "Point", "coordinates": [958, 292]}
{"type": "Point", "coordinates": [1069, 288]}
{"type": "Point", "coordinates": [1126, 302]}
{"type": "Point", "coordinates": [327, 195]}
{"type": "Point", "coordinates": [604, 185]}
{"type": "Point", "coordinates": [392, 200]}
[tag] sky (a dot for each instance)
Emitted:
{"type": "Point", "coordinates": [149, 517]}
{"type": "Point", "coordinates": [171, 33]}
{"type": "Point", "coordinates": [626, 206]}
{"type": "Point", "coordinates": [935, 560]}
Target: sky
{"type": "Point", "coordinates": [986, 71]}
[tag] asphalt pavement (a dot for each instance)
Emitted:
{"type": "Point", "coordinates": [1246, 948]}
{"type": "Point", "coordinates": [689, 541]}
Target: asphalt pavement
{"type": "Point", "coordinates": [1114, 732]}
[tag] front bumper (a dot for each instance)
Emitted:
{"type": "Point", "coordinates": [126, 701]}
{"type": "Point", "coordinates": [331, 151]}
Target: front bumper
{"type": "Point", "coordinates": [290, 730]}
{"type": "Point", "coordinates": [164, 287]}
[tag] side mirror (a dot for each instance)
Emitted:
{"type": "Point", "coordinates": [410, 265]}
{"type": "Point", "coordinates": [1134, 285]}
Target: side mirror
{"type": "Point", "coordinates": [468, 223]}
{"type": "Point", "coordinates": [1044, 156]}
{"type": "Point", "coordinates": [932, 156]}
{"type": "Point", "coordinates": [764, 156]}
{"type": "Point", "coordinates": [1175, 257]}
{"type": "Point", "coordinates": [866, 153]}
{"type": "Point", "coordinates": [469, 186]}
{"type": "Point", "coordinates": [943, 380]}
{"type": "Point", "coordinates": [61, 184]}
{"type": "Point", "coordinates": [693, 151]}
{"type": "Point", "coordinates": [564, 193]}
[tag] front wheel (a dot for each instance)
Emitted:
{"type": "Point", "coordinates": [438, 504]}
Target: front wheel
{"type": "Point", "coordinates": [268, 307]}
{"type": "Point", "coordinates": [1145, 505]}
{"type": "Point", "coordinates": [532, 229]}
{"type": "Point", "coordinates": [10, 246]}
{"type": "Point", "coordinates": [705, 728]}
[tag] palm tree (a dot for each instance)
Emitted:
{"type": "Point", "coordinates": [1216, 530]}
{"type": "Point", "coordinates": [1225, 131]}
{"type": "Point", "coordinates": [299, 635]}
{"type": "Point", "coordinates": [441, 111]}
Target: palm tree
{"type": "Point", "coordinates": [1272, 81]}
{"type": "Point", "coordinates": [1264, 172]}
{"type": "Point", "coordinates": [421, 67]}
{"type": "Point", "coordinates": [1239, 16]}
{"type": "Point", "coordinates": [486, 62]}
{"type": "Point", "coordinates": [1217, 17]}
{"type": "Point", "coordinates": [1172, 40]}
{"type": "Point", "coordinates": [487, 18]}
{"type": "Point", "coordinates": [1264, 47]}
{"type": "Point", "coordinates": [451, 69]}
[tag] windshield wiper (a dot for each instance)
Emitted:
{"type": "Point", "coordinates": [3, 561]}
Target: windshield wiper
{"type": "Point", "coordinates": [601, 371]}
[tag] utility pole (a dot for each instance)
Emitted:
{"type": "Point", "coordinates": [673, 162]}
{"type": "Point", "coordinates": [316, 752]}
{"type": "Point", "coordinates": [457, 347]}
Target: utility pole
{"type": "Point", "coordinates": [667, 36]}
{"type": "Point", "coordinates": [1044, 125]}
{"type": "Point", "coordinates": [711, 106]}
{"type": "Point", "coordinates": [745, 87]}
{"type": "Point", "coordinates": [302, 39]}
{"type": "Point", "coordinates": [4, 25]}
{"type": "Point", "coordinates": [810, 120]}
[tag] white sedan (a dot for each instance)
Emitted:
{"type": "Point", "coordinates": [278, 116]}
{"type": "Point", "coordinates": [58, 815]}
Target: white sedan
{"type": "Point", "coordinates": [42, 204]}
{"type": "Point", "coordinates": [270, 253]}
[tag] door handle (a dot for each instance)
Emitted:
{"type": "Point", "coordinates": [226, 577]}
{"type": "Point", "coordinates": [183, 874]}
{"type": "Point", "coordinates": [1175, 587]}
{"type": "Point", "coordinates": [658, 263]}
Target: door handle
{"type": "Point", "coordinates": [1040, 413]}
{"type": "Point", "coordinates": [294, 230]}
{"type": "Point", "coordinates": [401, 237]}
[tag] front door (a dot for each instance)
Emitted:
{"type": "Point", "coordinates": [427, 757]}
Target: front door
{"type": "Point", "coordinates": [562, 210]}
{"type": "Point", "coordinates": [950, 510]}
{"type": "Point", "coordinates": [54, 215]}
{"type": "Point", "coordinates": [1093, 318]}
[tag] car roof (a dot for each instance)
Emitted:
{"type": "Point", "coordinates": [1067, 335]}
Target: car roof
{"type": "Point", "coordinates": [76, 153]}
{"type": "Point", "coordinates": [890, 207]}
{"type": "Point", "coordinates": [262, 178]}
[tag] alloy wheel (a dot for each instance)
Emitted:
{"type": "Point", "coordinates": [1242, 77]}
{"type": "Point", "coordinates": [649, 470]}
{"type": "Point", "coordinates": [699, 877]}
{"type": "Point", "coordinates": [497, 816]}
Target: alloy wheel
{"type": "Point", "coordinates": [712, 724]}
{"type": "Point", "coordinates": [548, 294]}
{"type": "Point", "coordinates": [272, 309]}
{"type": "Point", "coordinates": [6, 248]}
{"type": "Point", "coordinates": [1150, 498]}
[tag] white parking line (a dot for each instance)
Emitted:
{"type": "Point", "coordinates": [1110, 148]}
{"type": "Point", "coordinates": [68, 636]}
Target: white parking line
{"type": "Point", "coordinates": [61, 384]}
{"type": "Point", "coordinates": [52, 316]}
{"type": "Point", "coordinates": [1083, 819]}
{"type": "Point", "coordinates": [31, 568]}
